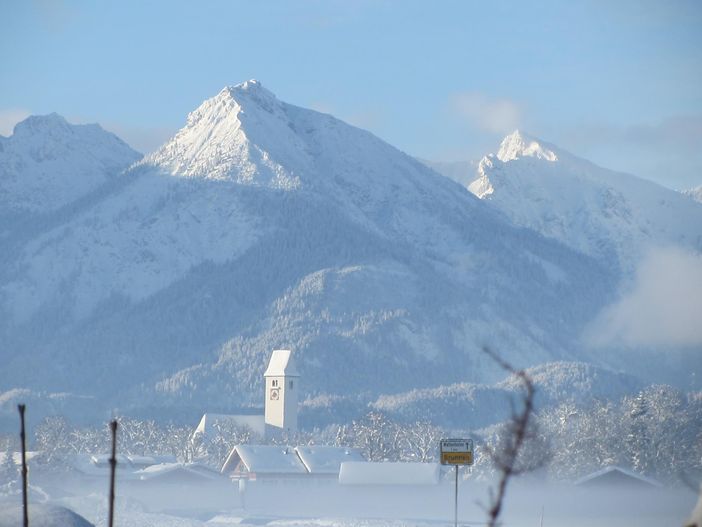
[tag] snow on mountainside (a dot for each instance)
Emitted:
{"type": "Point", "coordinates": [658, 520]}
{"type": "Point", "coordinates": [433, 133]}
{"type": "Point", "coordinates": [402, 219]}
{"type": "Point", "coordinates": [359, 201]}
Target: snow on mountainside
{"type": "Point", "coordinates": [48, 163]}
{"type": "Point", "coordinates": [605, 214]}
{"type": "Point", "coordinates": [694, 193]}
{"type": "Point", "coordinates": [262, 225]}
{"type": "Point", "coordinates": [473, 406]}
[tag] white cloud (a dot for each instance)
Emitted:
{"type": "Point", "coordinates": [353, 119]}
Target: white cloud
{"type": "Point", "coordinates": [662, 308]}
{"type": "Point", "coordinates": [492, 115]}
{"type": "Point", "coordinates": [9, 118]}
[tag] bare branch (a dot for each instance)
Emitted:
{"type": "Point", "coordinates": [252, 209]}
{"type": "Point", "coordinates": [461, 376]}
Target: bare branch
{"type": "Point", "coordinates": [505, 459]}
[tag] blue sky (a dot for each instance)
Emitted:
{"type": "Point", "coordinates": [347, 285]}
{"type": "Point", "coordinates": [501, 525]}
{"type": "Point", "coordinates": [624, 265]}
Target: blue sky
{"type": "Point", "coordinates": [619, 83]}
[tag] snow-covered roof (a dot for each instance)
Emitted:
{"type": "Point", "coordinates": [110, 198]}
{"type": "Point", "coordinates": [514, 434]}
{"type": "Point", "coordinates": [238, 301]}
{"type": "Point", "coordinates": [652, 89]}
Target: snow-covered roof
{"type": "Point", "coordinates": [326, 459]}
{"type": "Point", "coordinates": [147, 461]}
{"type": "Point", "coordinates": [265, 459]}
{"type": "Point", "coordinates": [209, 421]}
{"type": "Point", "coordinates": [281, 363]}
{"type": "Point", "coordinates": [191, 470]}
{"type": "Point", "coordinates": [607, 473]}
{"type": "Point", "coordinates": [372, 473]}
{"type": "Point", "coordinates": [99, 464]}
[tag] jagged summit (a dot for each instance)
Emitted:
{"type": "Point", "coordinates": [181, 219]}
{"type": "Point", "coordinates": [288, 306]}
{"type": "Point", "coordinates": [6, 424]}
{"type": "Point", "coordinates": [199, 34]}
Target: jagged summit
{"type": "Point", "coordinates": [249, 94]}
{"type": "Point", "coordinates": [519, 144]}
{"type": "Point", "coordinates": [252, 89]}
{"type": "Point", "coordinates": [596, 211]}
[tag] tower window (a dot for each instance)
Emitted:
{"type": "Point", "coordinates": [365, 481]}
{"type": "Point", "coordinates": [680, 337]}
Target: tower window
{"type": "Point", "coordinates": [275, 382]}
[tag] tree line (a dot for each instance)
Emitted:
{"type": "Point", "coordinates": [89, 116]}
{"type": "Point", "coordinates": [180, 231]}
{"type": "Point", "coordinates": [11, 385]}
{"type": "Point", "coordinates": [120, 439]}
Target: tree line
{"type": "Point", "coordinates": [657, 432]}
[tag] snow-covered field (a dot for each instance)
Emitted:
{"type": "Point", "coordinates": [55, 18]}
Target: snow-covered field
{"type": "Point", "coordinates": [331, 505]}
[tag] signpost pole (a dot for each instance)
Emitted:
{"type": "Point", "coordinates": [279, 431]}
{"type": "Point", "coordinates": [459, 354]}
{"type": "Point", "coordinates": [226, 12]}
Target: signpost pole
{"type": "Point", "coordinates": [113, 467]}
{"type": "Point", "coordinates": [455, 501]}
{"type": "Point", "coordinates": [23, 437]}
{"type": "Point", "coordinates": [456, 452]}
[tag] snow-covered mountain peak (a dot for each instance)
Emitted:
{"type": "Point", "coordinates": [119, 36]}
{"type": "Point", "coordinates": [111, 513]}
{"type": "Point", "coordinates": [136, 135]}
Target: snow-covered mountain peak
{"type": "Point", "coordinates": [248, 96]}
{"type": "Point", "coordinates": [48, 162]}
{"type": "Point", "coordinates": [518, 144]}
{"type": "Point", "coordinates": [243, 134]}
{"type": "Point", "coordinates": [600, 212]}
{"type": "Point", "coordinates": [52, 123]}
{"type": "Point", "coordinates": [254, 90]}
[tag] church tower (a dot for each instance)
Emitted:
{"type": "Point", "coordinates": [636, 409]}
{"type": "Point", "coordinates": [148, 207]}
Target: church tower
{"type": "Point", "coordinates": [281, 381]}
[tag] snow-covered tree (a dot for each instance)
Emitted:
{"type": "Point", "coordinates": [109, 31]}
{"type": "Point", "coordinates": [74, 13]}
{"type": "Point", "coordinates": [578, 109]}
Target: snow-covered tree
{"type": "Point", "coordinates": [637, 440]}
{"type": "Point", "coordinates": [53, 441]}
{"type": "Point", "coordinates": [8, 469]}
{"type": "Point", "coordinates": [420, 441]}
{"type": "Point", "coordinates": [377, 437]}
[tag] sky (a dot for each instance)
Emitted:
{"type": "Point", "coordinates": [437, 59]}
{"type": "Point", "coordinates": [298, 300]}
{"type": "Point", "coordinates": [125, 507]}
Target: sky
{"type": "Point", "coordinates": [619, 83]}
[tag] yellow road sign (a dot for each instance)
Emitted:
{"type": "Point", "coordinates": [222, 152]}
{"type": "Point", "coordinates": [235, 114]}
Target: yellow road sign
{"type": "Point", "coordinates": [457, 458]}
{"type": "Point", "coordinates": [456, 451]}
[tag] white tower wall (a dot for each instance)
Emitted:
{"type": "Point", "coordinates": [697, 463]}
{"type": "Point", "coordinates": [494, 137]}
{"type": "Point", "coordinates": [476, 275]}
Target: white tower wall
{"type": "Point", "coordinates": [282, 385]}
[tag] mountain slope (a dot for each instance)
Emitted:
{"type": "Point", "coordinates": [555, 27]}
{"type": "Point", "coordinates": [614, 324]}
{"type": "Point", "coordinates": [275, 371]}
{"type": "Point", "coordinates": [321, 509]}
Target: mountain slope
{"type": "Point", "coordinates": [263, 225]}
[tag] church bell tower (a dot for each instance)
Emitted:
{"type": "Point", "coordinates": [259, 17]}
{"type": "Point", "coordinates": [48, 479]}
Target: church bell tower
{"type": "Point", "coordinates": [281, 381]}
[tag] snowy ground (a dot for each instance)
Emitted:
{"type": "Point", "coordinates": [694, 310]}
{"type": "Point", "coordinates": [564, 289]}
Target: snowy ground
{"type": "Point", "coordinates": [329, 505]}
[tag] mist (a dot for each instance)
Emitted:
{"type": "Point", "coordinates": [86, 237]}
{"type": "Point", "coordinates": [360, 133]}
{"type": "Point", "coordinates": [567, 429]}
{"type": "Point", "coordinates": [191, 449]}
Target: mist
{"type": "Point", "coordinates": [661, 307]}
{"type": "Point", "coordinates": [530, 502]}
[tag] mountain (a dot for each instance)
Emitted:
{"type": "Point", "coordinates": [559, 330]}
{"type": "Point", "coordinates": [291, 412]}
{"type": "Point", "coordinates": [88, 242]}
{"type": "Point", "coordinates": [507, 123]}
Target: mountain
{"type": "Point", "coordinates": [48, 163]}
{"type": "Point", "coordinates": [611, 216]}
{"type": "Point", "coordinates": [262, 225]}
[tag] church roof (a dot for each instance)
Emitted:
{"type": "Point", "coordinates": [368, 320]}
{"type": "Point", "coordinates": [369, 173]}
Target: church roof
{"type": "Point", "coordinates": [210, 422]}
{"type": "Point", "coordinates": [281, 364]}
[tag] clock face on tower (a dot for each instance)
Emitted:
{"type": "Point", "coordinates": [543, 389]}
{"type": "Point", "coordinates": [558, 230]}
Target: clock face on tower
{"type": "Point", "coordinates": [275, 394]}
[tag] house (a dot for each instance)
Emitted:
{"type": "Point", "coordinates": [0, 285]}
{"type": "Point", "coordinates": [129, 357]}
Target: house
{"type": "Point", "coordinates": [613, 476]}
{"type": "Point", "coordinates": [388, 473]}
{"type": "Point", "coordinates": [264, 462]}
